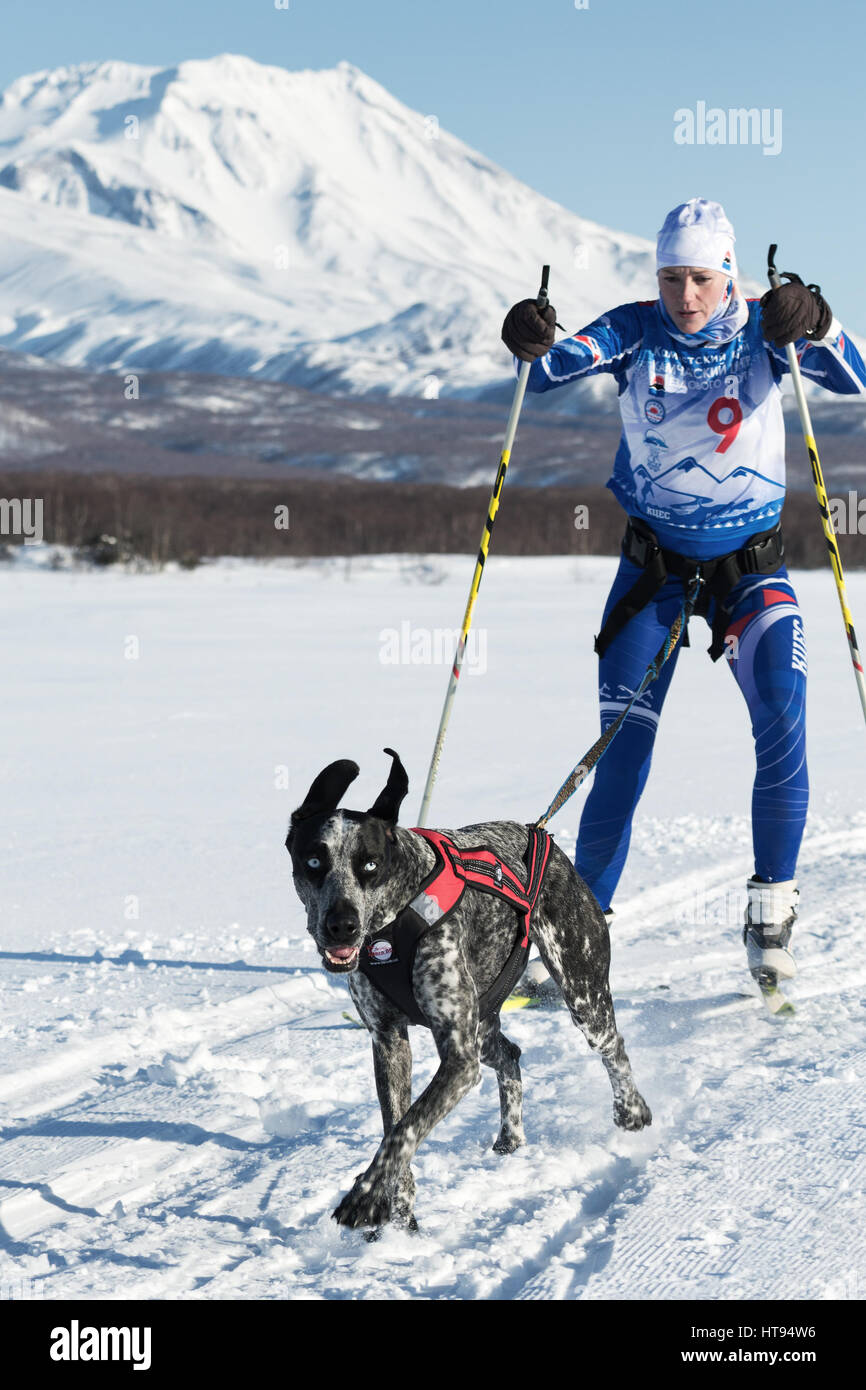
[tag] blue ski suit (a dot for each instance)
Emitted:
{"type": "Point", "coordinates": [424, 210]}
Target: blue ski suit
{"type": "Point", "coordinates": [702, 461]}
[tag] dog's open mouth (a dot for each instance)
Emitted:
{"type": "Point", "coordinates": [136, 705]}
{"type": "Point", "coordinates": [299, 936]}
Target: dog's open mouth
{"type": "Point", "coordinates": [341, 957]}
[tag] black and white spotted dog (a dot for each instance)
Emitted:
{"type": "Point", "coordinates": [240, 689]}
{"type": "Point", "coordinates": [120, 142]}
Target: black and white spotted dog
{"type": "Point", "coordinates": [355, 872]}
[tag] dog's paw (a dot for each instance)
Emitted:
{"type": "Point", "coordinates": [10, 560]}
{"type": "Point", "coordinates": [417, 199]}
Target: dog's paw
{"type": "Point", "coordinates": [368, 1204]}
{"type": "Point", "coordinates": [508, 1140]}
{"type": "Point", "coordinates": [403, 1204]}
{"type": "Point", "coordinates": [404, 1221]}
{"type": "Point", "coordinates": [632, 1115]}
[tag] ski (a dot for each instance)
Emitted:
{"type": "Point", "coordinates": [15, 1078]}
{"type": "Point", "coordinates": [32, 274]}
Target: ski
{"type": "Point", "coordinates": [544, 998]}
{"type": "Point", "coordinates": [521, 1001]}
{"type": "Point", "coordinates": [776, 1002]}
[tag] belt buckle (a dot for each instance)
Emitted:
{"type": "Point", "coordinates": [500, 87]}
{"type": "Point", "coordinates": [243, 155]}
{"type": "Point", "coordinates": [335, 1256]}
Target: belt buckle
{"type": "Point", "coordinates": [755, 552]}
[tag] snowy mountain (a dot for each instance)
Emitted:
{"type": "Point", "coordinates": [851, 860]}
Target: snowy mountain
{"type": "Point", "coordinates": [225, 216]}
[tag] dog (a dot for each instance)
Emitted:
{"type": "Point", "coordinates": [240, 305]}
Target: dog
{"type": "Point", "coordinates": [356, 873]}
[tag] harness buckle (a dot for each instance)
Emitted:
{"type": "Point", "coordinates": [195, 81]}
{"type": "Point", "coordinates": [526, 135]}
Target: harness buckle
{"type": "Point", "coordinates": [638, 547]}
{"type": "Point", "coordinates": [756, 553]}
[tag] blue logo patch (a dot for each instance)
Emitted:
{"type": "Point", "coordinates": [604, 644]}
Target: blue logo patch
{"type": "Point", "coordinates": [654, 411]}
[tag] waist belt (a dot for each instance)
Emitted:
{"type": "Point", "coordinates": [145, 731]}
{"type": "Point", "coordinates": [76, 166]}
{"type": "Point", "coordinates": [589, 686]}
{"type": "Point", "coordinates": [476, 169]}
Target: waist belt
{"type": "Point", "coordinates": [387, 958]}
{"type": "Point", "coordinates": [762, 554]}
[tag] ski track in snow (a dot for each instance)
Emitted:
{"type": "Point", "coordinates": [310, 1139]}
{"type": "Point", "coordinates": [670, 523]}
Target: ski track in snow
{"type": "Point", "coordinates": [210, 1171]}
{"type": "Point", "coordinates": [196, 1150]}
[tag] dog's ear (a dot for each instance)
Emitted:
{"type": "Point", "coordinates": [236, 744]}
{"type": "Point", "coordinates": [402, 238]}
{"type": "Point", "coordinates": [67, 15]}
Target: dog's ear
{"type": "Point", "coordinates": [387, 803]}
{"type": "Point", "coordinates": [326, 792]}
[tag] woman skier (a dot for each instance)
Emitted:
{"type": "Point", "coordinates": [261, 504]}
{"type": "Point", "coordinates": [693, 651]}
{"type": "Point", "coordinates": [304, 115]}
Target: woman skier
{"type": "Point", "coordinates": [700, 470]}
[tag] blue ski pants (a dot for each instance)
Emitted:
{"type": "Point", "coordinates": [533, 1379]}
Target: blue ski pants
{"type": "Point", "coordinates": [765, 649]}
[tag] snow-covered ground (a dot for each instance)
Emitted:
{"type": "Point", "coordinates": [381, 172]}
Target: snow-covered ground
{"type": "Point", "coordinates": [182, 1102]}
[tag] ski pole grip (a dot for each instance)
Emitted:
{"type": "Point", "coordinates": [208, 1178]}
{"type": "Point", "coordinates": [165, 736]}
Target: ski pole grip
{"type": "Point", "coordinates": [542, 299]}
{"type": "Point", "coordinates": [772, 272]}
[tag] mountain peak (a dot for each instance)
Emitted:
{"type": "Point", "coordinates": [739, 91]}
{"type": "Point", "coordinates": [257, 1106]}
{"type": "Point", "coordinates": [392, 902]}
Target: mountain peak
{"type": "Point", "coordinates": [226, 215]}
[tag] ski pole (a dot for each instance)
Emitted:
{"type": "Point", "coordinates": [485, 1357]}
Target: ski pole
{"type": "Point", "coordinates": [493, 507]}
{"type": "Point", "coordinates": [821, 494]}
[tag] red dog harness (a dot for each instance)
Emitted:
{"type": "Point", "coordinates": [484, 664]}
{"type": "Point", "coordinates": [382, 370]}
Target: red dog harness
{"type": "Point", "coordinates": [388, 957]}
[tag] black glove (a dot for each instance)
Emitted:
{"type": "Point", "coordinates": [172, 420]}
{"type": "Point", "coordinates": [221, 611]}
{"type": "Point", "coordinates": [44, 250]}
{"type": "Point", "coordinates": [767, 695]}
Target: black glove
{"type": "Point", "coordinates": [528, 331]}
{"type": "Point", "coordinates": [794, 311]}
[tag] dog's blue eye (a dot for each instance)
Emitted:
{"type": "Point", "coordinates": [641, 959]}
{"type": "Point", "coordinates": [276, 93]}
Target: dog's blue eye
{"type": "Point", "coordinates": [313, 863]}
{"type": "Point", "coordinates": [370, 867]}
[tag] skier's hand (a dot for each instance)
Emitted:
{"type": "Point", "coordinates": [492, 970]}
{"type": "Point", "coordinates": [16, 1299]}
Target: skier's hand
{"type": "Point", "coordinates": [528, 331]}
{"type": "Point", "coordinates": [794, 311]}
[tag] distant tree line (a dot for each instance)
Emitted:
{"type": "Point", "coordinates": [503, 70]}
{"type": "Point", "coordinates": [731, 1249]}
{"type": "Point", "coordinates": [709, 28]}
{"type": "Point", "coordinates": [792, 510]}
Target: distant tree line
{"type": "Point", "coordinates": [109, 517]}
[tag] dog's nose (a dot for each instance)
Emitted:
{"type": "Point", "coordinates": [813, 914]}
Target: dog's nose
{"type": "Point", "coordinates": [342, 923]}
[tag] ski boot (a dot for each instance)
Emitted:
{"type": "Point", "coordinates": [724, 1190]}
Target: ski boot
{"type": "Point", "coordinates": [534, 990]}
{"type": "Point", "coordinates": [770, 914]}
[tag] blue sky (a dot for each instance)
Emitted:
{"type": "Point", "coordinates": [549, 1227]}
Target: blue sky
{"type": "Point", "coordinates": [578, 102]}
